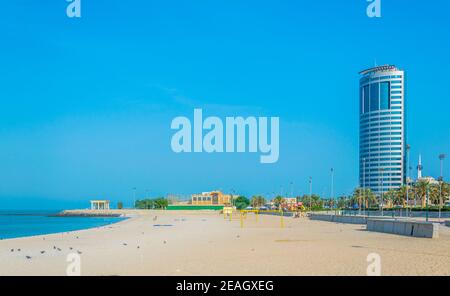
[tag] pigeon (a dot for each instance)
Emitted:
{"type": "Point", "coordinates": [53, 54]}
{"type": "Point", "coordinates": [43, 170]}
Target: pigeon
{"type": "Point", "coordinates": [125, 244]}
{"type": "Point", "coordinates": [12, 250]}
{"type": "Point", "coordinates": [18, 250]}
{"type": "Point", "coordinates": [28, 257]}
{"type": "Point", "coordinates": [59, 249]}
{"type": "Point", "coordinates": [54, 247]}
{"type": "Point", "coordinates": [71, 248]}
{"type": "Point", "coordinates": [79, 252]}
{"type": "Point", "coordinates": [42, 252]}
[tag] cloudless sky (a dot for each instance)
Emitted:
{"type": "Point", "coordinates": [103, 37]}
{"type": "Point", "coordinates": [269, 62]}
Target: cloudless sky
{"type": "Point", "coordinates": [86, 104]}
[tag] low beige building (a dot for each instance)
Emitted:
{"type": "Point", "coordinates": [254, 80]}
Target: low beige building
{"type": "Point", "coordinates": [211, 198]}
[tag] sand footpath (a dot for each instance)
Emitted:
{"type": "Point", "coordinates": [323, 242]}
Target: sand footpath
{"type": "Point", "coordinates": [204, 243]}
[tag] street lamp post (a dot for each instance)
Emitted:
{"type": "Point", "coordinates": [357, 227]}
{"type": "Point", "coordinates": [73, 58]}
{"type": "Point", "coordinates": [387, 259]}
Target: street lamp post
{"type": "Point", "coordinates": [134, 197]}
{"type": "Point", "coordinates": [332, 189]}
{"type": "Point", "coordinates": [441, 158]}
{"type": "Point", "coordinates": [411, 185]}
{"type": "Point", "coordinates": [441, 180]}
{"type": "Point", "coordinates": [427, 204]}
{"type": "Point", "coordinates": [232, 197]}
{"type": "Point", "coordinates": [364, 184]}
{"type": "Point", "coordinates": [360, 202]}
{"type": "Point", "coordinates": [381, 178]}
{"type": "Point", "coordinates": [310, 194]}
{"type": "Point", "coordinates": [408, 148]}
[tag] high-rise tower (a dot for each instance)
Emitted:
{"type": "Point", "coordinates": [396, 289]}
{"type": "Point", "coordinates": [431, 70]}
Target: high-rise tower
{"type": "Point", "coordinates": [382, 131]}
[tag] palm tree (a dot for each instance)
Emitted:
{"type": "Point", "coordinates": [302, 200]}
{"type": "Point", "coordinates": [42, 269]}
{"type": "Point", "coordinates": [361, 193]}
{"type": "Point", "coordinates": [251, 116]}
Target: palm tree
{"type": "Point", "coordinates": [445, 191]}
{"type": "Point", "coordinates": [278, 201]}
{"type": "Point", "coordinates": [390, 197]}
{"type": "Point", "coordinates": [316, 201]}
{"type": "Point", "coordinates": [371, 198]}
{"type": "Point", "coordinates": [261, 201]}
{"type": "Point", "coordinates": [401, 196]}
{"type": "Point", "coordinates": [241, 202]}
{"type": "Point", "coordinates": [363, 197]}
{"type": "Point", "coordinates": [257, 201]}
{"type": "Point", "coordinates": [421, 188]}
{"type": "Point", "coordinates": [342, 202]}
{"type": "Point", "coordinates": [434, 193]}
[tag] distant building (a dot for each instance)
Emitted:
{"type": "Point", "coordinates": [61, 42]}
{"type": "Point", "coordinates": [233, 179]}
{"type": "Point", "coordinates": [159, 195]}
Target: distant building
{"type": "Point", "coordinates": [290, 201]}
{"type": "Point", "coordinates": [382, 131]}
{"type": "Point", "coordinates": [211, 198]}
{"type": "Point", "coordinates": [100, 204]}
{"type": "Point", "coordinates": [430, 180]}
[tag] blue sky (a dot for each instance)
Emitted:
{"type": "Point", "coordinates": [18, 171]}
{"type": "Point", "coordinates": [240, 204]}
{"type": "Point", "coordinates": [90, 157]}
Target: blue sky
{"type": "Point", "coordinates": [86, 104]}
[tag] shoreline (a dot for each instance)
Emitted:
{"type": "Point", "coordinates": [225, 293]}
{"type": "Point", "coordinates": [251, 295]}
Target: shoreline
{"type": "Point", "coordinates": [204, 243]}
{"type": "Point", "coordinates": [62, 232]}
{"type": "Point", "coordinates": [122, 219]}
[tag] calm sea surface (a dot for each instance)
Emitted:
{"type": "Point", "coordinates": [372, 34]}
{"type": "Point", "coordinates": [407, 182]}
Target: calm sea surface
{"type": "Point", "coordinates": [28, 223]}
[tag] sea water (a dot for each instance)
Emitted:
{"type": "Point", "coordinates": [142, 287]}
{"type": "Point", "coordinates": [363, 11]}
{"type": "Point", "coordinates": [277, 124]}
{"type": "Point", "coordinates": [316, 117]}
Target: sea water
{"type": "Point", "coordinates": [28, 223]}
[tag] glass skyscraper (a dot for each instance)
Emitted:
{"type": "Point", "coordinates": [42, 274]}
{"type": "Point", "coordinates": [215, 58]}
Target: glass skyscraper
{"type": "Point", "coordinates": [382, 134]}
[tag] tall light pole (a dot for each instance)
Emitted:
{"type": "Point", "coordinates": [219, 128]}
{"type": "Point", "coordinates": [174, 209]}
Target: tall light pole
{"type": "Point", "coordinates": [441, 180]}
{"type": "Point", "coordinates": [134, 196]}
{"type": "Point", "coordinates": [411, 185]}
{"type": "Point", "coordinates": [232, 197]}
{"type": "Point", "coordinates": [441, 158]}
{"type": "Point", "coordinates": [332, 187]}
{"type": "Point", "coordinates": [310, 194]}
{"type": "Point", "coordinates": [364, 184]}
{"type": "Point", "coordinates": [408, 147]}
{"type": "Point", "coordinates": [381, 178]}
{"type": "Point", "coordinates": [427, 193]}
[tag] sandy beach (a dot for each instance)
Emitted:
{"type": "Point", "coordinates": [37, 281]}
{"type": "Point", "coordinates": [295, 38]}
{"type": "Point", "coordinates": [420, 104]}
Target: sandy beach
{"type": "Point", "coordinates": [204, 243]}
